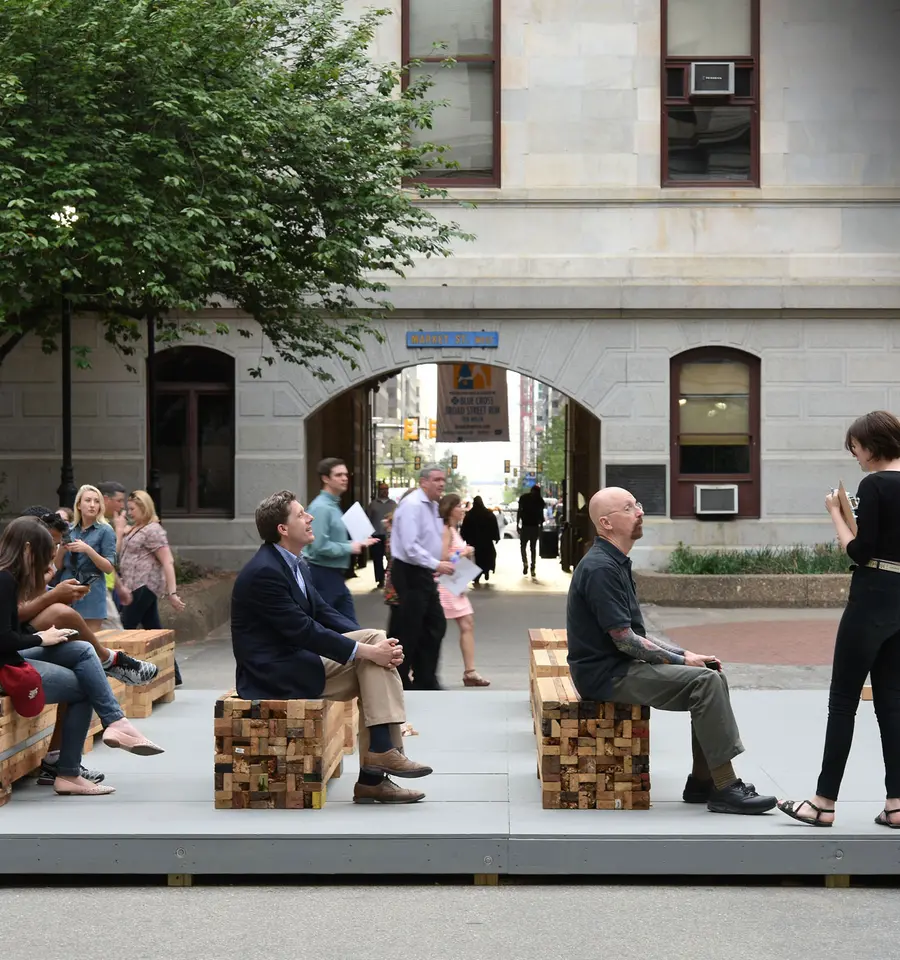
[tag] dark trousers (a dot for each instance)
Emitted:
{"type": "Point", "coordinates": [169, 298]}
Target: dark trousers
{"type": "Point", "coordinates": [143, 614]}
{"type": "Point", "coordinates": [529, 535]}
{"type": "Point", "coordinates": [420, 625]}
{"type": "Point", "coordinates": [377, 553]}
{"type": "Point", "coordinates": [332, 587]}
{"type": "Point", "coordinates": [868, 643]}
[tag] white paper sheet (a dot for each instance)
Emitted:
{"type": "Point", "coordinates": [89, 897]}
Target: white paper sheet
{"type": "Point", "coordinates": [357, 523]}
{"type": "Point", "coordinates": [465, 572]}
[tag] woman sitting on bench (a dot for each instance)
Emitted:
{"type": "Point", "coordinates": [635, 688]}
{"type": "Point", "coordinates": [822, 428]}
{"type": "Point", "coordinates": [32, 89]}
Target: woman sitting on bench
{"type": "Point", "coordinates": [70, 670]}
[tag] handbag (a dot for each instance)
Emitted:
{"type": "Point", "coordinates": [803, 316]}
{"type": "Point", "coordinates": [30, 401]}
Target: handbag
{"type": "Point", "coordinates": [23, 685]}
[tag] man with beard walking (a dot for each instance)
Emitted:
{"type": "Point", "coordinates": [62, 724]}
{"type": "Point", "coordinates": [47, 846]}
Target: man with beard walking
{"type": "Point", "coordinates": [612, 658]}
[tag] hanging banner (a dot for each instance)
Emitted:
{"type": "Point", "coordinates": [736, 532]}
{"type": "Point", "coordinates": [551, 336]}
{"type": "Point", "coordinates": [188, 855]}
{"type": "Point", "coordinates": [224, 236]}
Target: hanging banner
{"type": "Point", "coordinates": [472, 403]}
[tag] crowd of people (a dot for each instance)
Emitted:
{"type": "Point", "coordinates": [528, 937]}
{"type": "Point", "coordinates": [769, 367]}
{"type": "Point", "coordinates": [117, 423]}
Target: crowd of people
{"type": "Point", "coordinates": [66, 575]}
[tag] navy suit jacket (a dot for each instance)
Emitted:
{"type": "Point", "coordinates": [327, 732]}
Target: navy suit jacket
{"type": "Point", "coordinates": [278, 635]}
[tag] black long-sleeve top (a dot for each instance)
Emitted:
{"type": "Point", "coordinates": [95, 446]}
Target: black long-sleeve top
{"type": "Point", "coordinates": [11, 640]}
{"type": "Point", "coordinates": [877, 518]}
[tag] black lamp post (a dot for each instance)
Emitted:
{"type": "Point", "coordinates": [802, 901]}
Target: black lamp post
{"type": "Point", "coordinates": [154, 488]}
{"type": "Point", "coordinates": [66, 490]}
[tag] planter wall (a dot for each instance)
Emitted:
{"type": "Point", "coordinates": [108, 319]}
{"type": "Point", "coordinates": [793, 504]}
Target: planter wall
{"type": "Point", "coordinates": [755, 590]}
{"type": "Point", "coordinates": [208, 605]}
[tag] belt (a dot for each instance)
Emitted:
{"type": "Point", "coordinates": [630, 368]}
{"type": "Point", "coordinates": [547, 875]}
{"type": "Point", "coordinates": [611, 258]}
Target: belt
{"type": "Point", "coordinates": [884, 565]}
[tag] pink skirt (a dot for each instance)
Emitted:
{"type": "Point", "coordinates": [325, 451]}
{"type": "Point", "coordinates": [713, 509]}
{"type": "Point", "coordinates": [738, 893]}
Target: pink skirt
{"type": "Point", "coordinates": [454, 607]}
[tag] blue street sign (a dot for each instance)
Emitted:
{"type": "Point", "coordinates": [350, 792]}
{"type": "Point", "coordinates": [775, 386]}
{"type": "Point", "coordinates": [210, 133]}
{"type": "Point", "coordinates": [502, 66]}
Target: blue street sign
{"type": "Point", "coordinates": [440, 339]}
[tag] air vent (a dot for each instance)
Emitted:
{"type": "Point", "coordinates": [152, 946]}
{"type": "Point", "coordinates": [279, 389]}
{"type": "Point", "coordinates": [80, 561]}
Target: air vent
{"type": "Point", "coordinates": [715, 499]}
{"type": "Point", "coordinates": [715, 79]}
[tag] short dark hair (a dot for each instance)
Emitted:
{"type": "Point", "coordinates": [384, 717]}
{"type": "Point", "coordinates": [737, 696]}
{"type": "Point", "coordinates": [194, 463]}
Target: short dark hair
{"type": "Point", "coordinates": [878, 432]}
{"type": "Point", "coordinates": [48, 517]}
{"type": "Point", "coordinates": [109, 488]}
{"type": "Point", "coordinates": [448, 504]}
{"type": "Point", "coordinates": [327, 465]}
{"type": "Point", "coordinates": [272, 512]}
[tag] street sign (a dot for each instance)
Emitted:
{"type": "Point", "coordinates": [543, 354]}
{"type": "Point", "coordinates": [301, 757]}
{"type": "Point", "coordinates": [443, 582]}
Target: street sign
{"type": "Point", "coordinates": [440, 339]}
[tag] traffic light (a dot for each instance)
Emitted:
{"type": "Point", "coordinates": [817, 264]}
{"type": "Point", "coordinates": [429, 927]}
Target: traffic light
{"type": "Point", "coordinates": [454, 462]}
{"type": "Point", "coordinates": [506, 466]}
{"type": "Point", "coordinates": [432, 429]}
{"type": "Point", "coordinates": [515, 471]}
{"type": "Point", "coordinates": [411, 429]}
{"type": "Point", "coordinates": [417, 463]}
{"type": "Point", "coordinates": [540, 466]}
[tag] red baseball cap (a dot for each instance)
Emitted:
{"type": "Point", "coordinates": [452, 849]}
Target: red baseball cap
{"type": "Point", "coordinates": [22, 684]}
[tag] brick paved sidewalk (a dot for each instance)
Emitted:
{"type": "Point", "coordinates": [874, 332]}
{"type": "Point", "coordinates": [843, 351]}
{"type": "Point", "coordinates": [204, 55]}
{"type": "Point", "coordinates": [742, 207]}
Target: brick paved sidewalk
{"type": "Point", "coordinates": [771, 642]}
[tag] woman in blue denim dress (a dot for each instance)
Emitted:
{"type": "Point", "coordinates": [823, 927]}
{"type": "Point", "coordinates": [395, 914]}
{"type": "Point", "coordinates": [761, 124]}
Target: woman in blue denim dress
{"type": "Point", "coordinates": [91, 554]}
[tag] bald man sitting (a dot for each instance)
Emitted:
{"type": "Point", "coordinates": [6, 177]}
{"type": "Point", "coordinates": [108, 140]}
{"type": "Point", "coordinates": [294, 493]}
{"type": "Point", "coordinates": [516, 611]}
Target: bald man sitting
{"type": "Point", "coordinates": [612, 658]}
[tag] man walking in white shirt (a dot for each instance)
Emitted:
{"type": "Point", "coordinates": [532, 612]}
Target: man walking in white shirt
{"type": "Point", "coordinates": [416, 550]}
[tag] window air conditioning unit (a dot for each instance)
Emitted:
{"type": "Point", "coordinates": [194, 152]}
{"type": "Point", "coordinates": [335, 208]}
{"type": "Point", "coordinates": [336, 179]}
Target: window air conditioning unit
{"type": "Point", "coordinates": [710, 498]}
{"type": "Point", "coordinates": [714, 79]}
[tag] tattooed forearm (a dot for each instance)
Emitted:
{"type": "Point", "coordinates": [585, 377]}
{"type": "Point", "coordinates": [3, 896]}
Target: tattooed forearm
{"type": "Point", "coordinates": [642, 648]}
{"type": "Point", "coordinates": [667, 645]}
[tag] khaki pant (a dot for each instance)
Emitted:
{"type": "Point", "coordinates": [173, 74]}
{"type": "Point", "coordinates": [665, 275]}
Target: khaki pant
{"type": "Point", "coordinates": [380, 691]}
{"type": "Point", "coordinates": [702, 692]}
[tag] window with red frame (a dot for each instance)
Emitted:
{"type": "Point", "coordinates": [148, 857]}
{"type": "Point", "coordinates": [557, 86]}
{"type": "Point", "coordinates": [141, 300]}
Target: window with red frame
{"type": "Point", "coordinates": [467, 32]}
{"type": "Point", "coordinates": [710, 140]}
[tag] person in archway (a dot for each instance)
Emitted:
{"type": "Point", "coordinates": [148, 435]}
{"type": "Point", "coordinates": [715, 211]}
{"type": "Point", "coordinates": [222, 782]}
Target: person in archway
{"type": "Point", "coordinates": [612, 658]}
{"type": "Point", "coordinates": [378, 511]}
{"type": "Point", "coordinates": [529, 520]}
{"type": "Point", "coordinates": [480, 530]}
{"type": "Point", "coordinates": [329, 555]}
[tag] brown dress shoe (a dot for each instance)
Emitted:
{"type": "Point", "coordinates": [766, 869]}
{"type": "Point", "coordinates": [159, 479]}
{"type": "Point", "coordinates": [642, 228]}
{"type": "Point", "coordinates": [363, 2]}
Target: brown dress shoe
{"type": "Point", "coordinates": [395, 764]}
{"type": "Point", "coordinates": [385, 792]}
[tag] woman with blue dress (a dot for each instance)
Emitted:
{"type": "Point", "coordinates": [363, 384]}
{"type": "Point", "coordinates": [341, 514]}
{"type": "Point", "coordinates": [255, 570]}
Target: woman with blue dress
{"type": "Point", "coordinates": [91, 554]}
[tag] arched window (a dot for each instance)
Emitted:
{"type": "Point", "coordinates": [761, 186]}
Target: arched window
{"type": "Point", "coordinates": [715, 426]}
{"type": "Point", "coordinates": [194, 410]}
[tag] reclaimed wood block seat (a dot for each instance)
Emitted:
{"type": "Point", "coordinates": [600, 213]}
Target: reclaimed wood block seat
{"type": "Point", "coordinates": [544, 638]}
{"type": "Point", "coordinates": [157, 646]}
{"type": "Point", "coordinates": [591, 755]}
{"type": "Point", "coordinates": [24, 740]}
{"type": "Point", "coordinates": [277, 753]}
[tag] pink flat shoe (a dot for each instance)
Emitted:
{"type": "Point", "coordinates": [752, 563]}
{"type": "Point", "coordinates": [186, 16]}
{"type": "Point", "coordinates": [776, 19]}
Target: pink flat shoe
{"type": "Point", "coordinates": [66, 788]}
{"type": "Point", "coordinates": [121, 735]}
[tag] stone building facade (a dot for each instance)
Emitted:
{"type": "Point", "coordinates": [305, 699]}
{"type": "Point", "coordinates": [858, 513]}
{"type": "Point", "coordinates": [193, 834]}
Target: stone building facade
{"type": "Point", "coordinates": [605, 275]}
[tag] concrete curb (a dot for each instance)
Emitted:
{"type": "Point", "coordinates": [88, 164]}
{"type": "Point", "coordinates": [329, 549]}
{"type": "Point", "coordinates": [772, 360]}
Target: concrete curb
{"type": "Point", "coordinates": [208, 603]}
{"type": "Point", "coordinates": [752, 590]}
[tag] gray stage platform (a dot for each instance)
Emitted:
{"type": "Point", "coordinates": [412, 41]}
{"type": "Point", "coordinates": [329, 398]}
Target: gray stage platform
{"type": "Point", "coordinates": [482, 814]}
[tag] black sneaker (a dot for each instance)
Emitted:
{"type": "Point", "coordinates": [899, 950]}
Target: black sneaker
{"type": "Point", "coordinates": [133, 672]}
{"type": "Point", "coordinates": [47, 776]}
{"type": "Point", "coordinates": [699, 791]}
{"type": "Point", "coordinates": [739, 797]}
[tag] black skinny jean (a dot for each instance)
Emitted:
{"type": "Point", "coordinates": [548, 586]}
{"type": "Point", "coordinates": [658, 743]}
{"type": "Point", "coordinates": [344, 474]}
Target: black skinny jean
{"type": "Point", "coordinates": [420, 625]}
{"type": "Point", "coordinates": [868, 643]}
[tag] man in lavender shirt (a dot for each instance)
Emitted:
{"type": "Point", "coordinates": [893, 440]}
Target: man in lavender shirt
{"type": "Point", "coordinates": [416, 550]}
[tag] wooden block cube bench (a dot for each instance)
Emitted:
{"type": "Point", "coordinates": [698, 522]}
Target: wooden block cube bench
{"type": "Point", "coordinates": [543, 638]}
{"type": "Point", "coordinates": [591, 755]}
{"type": "Point", "coordinates": [157, 646]}
{"type": "Point", "coordinates": [276, 753]}
{"type": "Point", "coordinates": [546, 662]}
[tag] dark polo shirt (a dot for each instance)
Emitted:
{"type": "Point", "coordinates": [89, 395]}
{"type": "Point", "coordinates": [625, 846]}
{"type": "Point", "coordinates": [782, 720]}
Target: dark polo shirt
{"type": "Point", "coordinates": [602, 597]}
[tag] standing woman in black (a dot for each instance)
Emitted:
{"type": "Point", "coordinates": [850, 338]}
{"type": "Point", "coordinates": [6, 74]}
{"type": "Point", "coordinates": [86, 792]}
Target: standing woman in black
{"type": "Point", "coordinates": [868, 638]}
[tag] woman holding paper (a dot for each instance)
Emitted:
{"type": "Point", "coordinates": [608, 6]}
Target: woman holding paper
{"type": "Point", "coordinates": [458, 608]}
{"type": "Point", "coordinates": [868, 638]}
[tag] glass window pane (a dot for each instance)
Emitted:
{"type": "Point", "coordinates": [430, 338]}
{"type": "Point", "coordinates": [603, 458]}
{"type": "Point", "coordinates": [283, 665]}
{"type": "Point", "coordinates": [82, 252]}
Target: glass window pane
{"type": "Point", "coordinates": [172, 449]}
{"type": "Point", "coordinates": [194, 365]}
{"type": "Point", "coordinates": [702, 460]}
{"type": "Point", "coordinates": [675, 82]}
{"type": "Point", "coordinates": [466, 123]}
{"type": "Point", "coordinates": [709, 28]}
{"type": "Point", "coordinates": [215, 460]}
{"type": "Point", "coordinates": [465, 26]}
{"type": "Point", "coordinates": [709, 143]}
{"type": "Point", "coordinates": [728, 416]}
{"type": "Point", "coordinates": [717, 377]}
{"type": "Point", "coordinates": [743, 82]}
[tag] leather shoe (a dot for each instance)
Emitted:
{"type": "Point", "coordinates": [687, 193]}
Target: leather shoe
{"type": "Point", "coordinates": [739, 797]}
{"type": "Point", "coordinates": [385, 792]}
{"type": "Point", "coordinates": [699, 791]}
{"type": "Point", "coordinates": [394, 763]}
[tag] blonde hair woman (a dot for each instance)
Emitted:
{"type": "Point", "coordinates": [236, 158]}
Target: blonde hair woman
{"type": "Point", "coordinates": [91, 554]}
{"type": "Point", "coordinates": [146, 567]}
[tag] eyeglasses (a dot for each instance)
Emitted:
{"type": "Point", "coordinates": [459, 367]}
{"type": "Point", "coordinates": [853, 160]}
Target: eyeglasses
{"type": "Point", "coordinates": [631, 508]}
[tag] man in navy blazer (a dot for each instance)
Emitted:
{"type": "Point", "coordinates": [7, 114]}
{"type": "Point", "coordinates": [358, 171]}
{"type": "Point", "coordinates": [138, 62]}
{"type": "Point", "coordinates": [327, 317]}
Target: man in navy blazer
{"type": "Point", "coordinates": [289, 644]}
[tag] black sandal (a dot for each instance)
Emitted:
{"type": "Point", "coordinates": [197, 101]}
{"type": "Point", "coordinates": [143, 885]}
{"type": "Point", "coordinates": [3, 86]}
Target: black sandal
{"type": "Point", "coordinates": [790, 807]}
{"type": "Point", "coordinates": [884, 819]}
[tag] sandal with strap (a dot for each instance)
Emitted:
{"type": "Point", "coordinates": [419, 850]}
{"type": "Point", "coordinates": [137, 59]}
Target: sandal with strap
{"type": "Point", "coordinates": [884, 819]}
{"type": "Point", "coordinates": [472, 678]}
{"type": "Point", "coordinates": [790, 807]}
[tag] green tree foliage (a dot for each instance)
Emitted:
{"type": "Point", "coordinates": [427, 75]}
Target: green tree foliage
{"type": "Point", "coordinates": [213, 151]}
{"type": "Point", "coordinates": [456, 482]}
{"type": "Point", "coordinates": [551, 452]}
{"type": "Point", "coordinates": [397, 466]}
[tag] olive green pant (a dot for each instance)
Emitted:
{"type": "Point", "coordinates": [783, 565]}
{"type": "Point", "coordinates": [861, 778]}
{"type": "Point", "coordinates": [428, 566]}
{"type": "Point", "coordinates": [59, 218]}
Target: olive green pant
{"type": "Point", "coordinates": [699, 690]}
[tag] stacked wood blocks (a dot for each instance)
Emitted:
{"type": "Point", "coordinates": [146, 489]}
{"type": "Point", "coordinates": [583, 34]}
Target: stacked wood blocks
{"type": "Point", "coordinates": [591, 756]}
{"type": "Point", "coordinates": [157, 646]}
{"type": "Point", "coordinates": [276, 753]}
{"type": "Point", "coordinates": [544, 638]}
{"type": "Point", "coordinates": [351, 725]}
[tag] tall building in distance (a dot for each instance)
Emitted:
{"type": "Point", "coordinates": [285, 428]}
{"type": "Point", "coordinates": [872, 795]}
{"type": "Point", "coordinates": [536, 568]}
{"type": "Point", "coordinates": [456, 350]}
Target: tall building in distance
{"type": "Point", "coordinates": [527, 451]}
{"type": "Point", "coordinates": [397, 399]}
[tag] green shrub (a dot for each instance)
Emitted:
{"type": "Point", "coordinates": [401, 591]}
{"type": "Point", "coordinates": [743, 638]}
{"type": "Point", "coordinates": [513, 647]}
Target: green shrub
{"type": "Point", "coordinates": [186, 571]}
{"type": "Point", "coordinates": [821, 558]}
